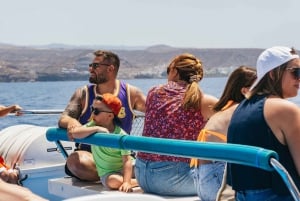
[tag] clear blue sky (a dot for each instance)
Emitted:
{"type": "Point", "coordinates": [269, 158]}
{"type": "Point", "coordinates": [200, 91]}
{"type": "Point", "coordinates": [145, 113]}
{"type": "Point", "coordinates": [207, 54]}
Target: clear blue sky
{"type": "Point", "coordinates": [178, 23]}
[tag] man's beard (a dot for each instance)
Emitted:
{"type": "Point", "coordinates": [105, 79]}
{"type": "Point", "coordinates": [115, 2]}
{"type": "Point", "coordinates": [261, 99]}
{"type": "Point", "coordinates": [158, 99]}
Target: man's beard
{"type": "Point", "coordinates": [97, 79]}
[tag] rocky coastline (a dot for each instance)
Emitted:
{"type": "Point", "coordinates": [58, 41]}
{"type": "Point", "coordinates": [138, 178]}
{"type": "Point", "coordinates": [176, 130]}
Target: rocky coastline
{"type": "Point", "coordinates": [29, 64]}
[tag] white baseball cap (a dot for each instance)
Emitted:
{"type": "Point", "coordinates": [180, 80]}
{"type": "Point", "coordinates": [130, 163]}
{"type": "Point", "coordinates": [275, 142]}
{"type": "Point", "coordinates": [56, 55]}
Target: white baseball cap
{"type": "Point", "coordinates": [272, 58]}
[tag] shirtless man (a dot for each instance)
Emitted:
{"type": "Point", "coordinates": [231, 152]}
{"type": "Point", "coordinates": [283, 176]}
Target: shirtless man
{"type": "Point", "coordinates": [103, 79]}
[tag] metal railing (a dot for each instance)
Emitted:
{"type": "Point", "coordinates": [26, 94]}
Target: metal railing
{"type": "Point", "coordinates": [138, 125]}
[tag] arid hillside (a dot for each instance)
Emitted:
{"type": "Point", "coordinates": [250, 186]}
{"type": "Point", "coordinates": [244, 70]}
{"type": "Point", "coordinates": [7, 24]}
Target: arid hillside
{"type": "Point", "coordinates": [50, 64]}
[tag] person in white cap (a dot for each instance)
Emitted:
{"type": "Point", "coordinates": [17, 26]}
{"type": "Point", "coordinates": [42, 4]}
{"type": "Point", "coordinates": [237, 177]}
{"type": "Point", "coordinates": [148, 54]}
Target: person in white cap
{"type": "Point", "coordinates": [267, 119]}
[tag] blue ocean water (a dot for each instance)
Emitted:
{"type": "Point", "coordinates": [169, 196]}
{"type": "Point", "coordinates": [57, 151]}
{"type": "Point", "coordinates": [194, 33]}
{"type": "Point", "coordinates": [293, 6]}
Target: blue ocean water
{"type": "Point", "coordinates": [55, 95]}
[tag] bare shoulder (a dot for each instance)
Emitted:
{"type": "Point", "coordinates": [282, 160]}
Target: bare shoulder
{"type": "Point", "coordinates": [209, 99]}
{"type": "Point", "coordinates": [137, 98]}
{"type": "Point", "coordinates": [281, 115]}
{"type": "Point", "coordinates": [207, 104]}
{"type": "Point", "coordinates": [133, 88]}
{"type": "Point", "coordinates": [280, 105]}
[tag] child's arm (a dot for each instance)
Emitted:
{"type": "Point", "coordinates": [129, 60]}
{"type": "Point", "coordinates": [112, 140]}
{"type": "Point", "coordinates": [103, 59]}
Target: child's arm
{"type": "Point", "coordinates": [127, 169]}
{"type": "Point", "coordinates": [83, 131]}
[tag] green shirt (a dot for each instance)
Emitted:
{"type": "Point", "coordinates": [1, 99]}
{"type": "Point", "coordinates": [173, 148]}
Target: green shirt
{"type": "Point", "coordinates": [108, 159]}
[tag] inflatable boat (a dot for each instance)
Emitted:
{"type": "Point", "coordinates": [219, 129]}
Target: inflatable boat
{"type": "Point", "coordinates": [36, 158]}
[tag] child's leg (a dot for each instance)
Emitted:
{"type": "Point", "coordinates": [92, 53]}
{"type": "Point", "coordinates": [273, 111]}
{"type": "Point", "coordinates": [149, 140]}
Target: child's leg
{"type": "Point", "coordinates": [114, 181]}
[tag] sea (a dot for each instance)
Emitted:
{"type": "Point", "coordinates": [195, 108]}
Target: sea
{"type": "Point", "coordinates": [56, 95]}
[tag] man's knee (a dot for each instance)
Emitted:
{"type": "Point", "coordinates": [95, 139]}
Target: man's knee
{"type": "Point", "coordinates": [81, 165]}
{"type": "Point", "coordinates": [78, 160]}
{"type": "Point", "coordinates": [73, 158]}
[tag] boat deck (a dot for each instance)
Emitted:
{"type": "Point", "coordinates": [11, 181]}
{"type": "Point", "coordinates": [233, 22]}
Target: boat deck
{"type": "Point", "coordinates": [67, 187]}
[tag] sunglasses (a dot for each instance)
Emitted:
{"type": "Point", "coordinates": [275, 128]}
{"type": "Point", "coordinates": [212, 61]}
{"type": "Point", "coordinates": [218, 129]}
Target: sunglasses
{"type": "Point", "coordinates": [96, 111]}
{"type": "Point", "coordinates": [295, 72]}
{"type": "Point", "coordinates": [96, 65]}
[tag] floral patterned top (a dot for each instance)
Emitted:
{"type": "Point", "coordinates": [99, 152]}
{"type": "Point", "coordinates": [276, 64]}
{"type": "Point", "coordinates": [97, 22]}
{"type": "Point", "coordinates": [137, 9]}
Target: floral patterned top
{"type": "Point", "coordinates": [165, 117]}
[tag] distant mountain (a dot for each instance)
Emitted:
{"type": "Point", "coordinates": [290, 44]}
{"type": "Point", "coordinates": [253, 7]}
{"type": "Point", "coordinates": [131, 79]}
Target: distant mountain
{"type": "Point", "coordinates": [160, 48]}
{"type": "Point", "coordinates": [67, 62]}
{"type": "Point", "coordinates": [107, 47]}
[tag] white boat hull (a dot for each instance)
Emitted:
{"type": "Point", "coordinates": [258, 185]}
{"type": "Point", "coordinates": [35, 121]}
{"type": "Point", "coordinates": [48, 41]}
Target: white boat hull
{"type": "Point", "coordinates": [37, 158]}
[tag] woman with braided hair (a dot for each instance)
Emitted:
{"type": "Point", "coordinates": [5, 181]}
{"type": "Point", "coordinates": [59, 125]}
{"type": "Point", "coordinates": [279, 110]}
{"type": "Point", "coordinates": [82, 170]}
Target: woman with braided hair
{"type": "Point", "coordinates": [175, 110]}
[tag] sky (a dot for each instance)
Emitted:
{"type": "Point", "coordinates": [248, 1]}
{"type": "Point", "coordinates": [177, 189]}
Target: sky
{"type": "Point", "coordinates": [177, 23]}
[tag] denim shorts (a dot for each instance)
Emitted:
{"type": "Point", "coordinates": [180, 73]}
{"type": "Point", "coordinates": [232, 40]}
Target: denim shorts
{"type": "Point", "coordinates": [208, 179]}
{"type": "Point", "coordinates": [261, 194]}
{"type": "Point", "coordinates": [165, 178]}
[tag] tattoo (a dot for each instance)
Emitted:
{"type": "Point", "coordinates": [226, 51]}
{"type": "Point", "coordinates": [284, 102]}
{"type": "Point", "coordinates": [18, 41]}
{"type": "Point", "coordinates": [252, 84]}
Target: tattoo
{"type": "Point", "coordinates": [75, 105]}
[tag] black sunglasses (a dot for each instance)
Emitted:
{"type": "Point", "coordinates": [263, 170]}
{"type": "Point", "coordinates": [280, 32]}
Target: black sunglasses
{"type": "Point", "coordinates": [96, 65]}
{"type": "Point", "coordinates": [96, 111]}
{"type": "Point", "coordinates": [295, 72]}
